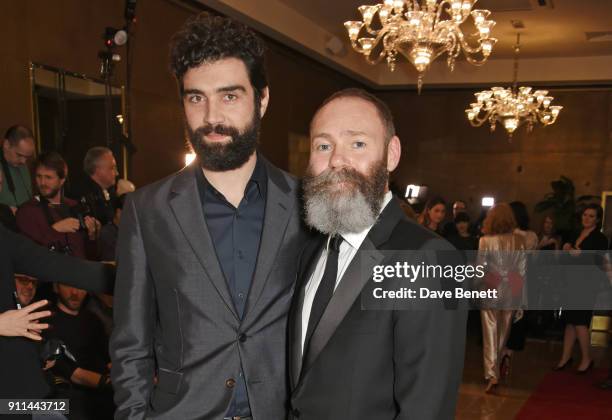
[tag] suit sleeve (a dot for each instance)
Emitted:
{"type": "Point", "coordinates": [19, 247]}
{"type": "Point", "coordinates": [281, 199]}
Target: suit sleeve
{"type": "Point", "coordinates": [131, 345]}
{"type": "Point", "coordinates": [428, 369]}
{"type": "Point", "coordinates": [36, 261]}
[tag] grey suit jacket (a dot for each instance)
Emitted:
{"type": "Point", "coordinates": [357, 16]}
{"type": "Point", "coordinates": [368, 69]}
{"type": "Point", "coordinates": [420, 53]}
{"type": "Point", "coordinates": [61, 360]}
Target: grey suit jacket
{"type": "Point", "coordinates": [174, 317]}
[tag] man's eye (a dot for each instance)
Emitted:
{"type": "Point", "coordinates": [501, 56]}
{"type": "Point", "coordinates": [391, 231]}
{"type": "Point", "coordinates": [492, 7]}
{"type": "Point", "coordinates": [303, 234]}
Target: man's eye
{"type": "Point", "coordinates": [230, 97]}
{"type": "Point", "coordinates": [195, 99]}
{"type": "Point", "coordinates": [324, 147]}
{"type": "Point", "coordinates": [359, 145]}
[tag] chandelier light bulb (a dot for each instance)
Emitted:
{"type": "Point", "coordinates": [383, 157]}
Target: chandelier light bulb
{"type": "Point", "coordinates": [353, 27]}
{"type": "Point", "coordinates": [367, 12]}
{"type": "Point", "coordinates": [366, 43]}
{"type": "Point", "coordinates": [511, 124]}
{"type": "Point", "coordinates": [485, 28]}
{"type": "Point", "coordinates": [487, 46]}
{"type": "Point", "coordinates": [480, 16]}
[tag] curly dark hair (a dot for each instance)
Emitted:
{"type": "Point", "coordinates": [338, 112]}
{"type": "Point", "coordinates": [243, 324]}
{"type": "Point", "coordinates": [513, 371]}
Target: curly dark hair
{"type": "Point", "coordinates": [208, 38]}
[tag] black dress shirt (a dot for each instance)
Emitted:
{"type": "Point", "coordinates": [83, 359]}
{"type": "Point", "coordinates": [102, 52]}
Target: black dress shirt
{"type": "Point", "coordinates": [236, 234]}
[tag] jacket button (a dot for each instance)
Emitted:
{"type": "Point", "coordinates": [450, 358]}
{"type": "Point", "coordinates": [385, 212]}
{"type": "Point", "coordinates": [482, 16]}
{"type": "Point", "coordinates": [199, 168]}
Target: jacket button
{"type": "Point", "coordinates": [242, 337]}
{"type": "Point", "coordinates": [230, 383]}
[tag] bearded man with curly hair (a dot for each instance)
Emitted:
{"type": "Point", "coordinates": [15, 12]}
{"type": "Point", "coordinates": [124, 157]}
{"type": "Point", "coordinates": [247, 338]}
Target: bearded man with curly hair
{"type": "Point", "coordinates": [206, 257]}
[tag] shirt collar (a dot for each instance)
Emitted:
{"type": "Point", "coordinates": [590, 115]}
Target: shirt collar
{"type": "Point", "coordinates": [258, 178]}
{"type": "Point", "coordinates": [356, 239]}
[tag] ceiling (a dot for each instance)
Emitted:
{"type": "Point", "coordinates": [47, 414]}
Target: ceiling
{"type": "Point", "coordinates": [554, 41]}
{"type": "Point", "coordinates": [557, 31]}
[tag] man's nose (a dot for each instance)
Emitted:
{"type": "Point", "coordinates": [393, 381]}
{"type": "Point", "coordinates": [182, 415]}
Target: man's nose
{"type": "Point", "coordinates": [213, 115]}
{"type": "Point", "coordinates": [338, 159]}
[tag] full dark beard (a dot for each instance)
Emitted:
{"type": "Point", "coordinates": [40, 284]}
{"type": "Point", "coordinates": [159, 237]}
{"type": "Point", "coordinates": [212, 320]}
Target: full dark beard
{"type": "Point", "coordinates": [349, 209]}
{"type": "Point", "coordinates": [227, 156]}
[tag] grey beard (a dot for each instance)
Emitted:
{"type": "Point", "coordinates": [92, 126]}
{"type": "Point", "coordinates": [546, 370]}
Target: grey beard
{"type": "Point", "coordinates": [340, 213]}
{"type": "Point", "coordinates": [345, 210]}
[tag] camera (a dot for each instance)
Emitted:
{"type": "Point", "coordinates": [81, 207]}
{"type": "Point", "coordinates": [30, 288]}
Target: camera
{"type": "Point", "coordinates": [80, 212]}
{"type": "Point", "coordinates": [60, 248]}
{"type": "Point", "coordinates": [54, 349]}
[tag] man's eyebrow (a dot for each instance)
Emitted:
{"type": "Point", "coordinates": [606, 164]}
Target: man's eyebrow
{"type": "Point", "coordinates": [322, 135]}
{"type": "Point", "coordinates": [231, 88]}
{"type": "Point", "coordinates": [354, 133]}
{"type": "Point", "coordinates": [192, 91]}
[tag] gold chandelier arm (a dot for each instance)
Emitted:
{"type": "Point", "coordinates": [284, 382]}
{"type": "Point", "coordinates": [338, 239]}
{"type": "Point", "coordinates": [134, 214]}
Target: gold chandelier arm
{"type": "Point", "coordinates": [479, 120]}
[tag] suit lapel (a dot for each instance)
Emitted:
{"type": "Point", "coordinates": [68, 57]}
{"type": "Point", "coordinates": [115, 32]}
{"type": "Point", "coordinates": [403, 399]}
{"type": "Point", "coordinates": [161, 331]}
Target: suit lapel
{"type": "Point", "coordinates": [280, 203]}
{"type": "Point", "coordinates": [186, 206]}
{"type": "Point", "coordinates": [307, 264]}
{"type": "Point", "coordinates": [354, 279]}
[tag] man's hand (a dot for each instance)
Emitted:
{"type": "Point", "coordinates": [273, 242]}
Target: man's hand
{"type": "Point", "coordinates": [24, 322]}
{"type": "Point", "coordinates": [93, 227]}
{"type": "Point", "coordinates": [68, 225]}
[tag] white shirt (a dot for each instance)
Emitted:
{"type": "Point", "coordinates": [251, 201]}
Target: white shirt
{"type": "Point", "coordinates": [348, 249]}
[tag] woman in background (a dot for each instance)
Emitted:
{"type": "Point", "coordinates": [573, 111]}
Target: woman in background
{"type": "Point", "coordinates": [548, 240]}
{"type": "Point", "coordinates": [502, 251]}
{"type": "Point", "coordinates": [577, 323]}
{"type": "Point", "coordinates": [433, 214]}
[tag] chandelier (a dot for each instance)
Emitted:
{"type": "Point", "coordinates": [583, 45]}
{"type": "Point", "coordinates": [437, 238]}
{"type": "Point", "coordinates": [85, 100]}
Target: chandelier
{"type": "Point", "coordinates": [514, 106]}
{"type": "Point", "coordinates": [421, 31]}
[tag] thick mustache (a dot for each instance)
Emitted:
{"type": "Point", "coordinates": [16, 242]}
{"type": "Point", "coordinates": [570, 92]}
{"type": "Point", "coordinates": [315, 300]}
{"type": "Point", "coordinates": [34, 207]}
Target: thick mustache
{"type": "Point", "coordinates": [330, 177]}
{"type": "Point", "coordinates": [220, 129]}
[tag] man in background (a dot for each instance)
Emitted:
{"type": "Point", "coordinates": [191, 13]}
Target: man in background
{"type": "Point", "coordinates": [26, 289]}
{"type": "Point", "coordinates": [17, 147]}
{"type": "Point", "coordinates": [83, 334]}
{"type": "Point", "coordinates": [98, 188]}
{"type": "Point", "coordinates": [52, 220]}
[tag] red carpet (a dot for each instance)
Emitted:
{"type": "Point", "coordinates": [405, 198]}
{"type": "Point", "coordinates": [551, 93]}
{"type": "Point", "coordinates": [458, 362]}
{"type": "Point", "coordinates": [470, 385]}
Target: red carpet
{"type": "Point", "coordinates": [565, 395]}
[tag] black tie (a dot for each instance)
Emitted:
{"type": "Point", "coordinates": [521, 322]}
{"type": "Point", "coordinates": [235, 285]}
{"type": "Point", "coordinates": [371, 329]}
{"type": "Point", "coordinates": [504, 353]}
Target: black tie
{"type": "Point", "coordinates": [326, 288]}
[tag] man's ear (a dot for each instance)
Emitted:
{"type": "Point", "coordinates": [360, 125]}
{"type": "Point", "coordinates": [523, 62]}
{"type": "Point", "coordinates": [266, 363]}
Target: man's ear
{"type": "Point", "coordinates": [263, 102]}
{"type": "Point", "coordinates": [394, 152]}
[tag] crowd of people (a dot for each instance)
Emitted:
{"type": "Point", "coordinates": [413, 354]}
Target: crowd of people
{"type": "Point", "coordinates": [502, 238]}
{"type": "Point", "coordinates": [237, 291]}
{"type": "Point", "coordinates": [81, 221]}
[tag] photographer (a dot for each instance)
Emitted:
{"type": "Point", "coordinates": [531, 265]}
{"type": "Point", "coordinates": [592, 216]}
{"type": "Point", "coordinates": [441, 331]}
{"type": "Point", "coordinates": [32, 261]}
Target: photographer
{"type": "Point", "coordinates": [98, 188]}
{"type": "Point", "coordinates": [20, 364]}
{"type": "Point", "coordinates": [52, 220]}
{"type": "Point", "coordinates": [83, 335]}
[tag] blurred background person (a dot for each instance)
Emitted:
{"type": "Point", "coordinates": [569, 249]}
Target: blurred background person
{"type": "Point", "coordinates": [83, 334]}
{"type": "Point", "coordinates": [7, 216]}
{"type": "Point", "coordinates": [548, 240]}
{"type": "Point", "coordinates": [17, 148]}
{"type": "Point", "coordinates": [20, 364]}
{"type": "Point", "coordinates": [502, 250]}
{"type": "Point", "coordinates": [463, 239]}
{"type": "Point", "coordinates": [577, 322]}
{"type": "Point", "coordinates": [99, 189]}
{"type": "Point", "coordinates": [26, 289]}
{"type": "Point", "coordinates": [50, 219]}
{"type": "Point", "coordinates": [433, 214]}
{"type": "Point", "coordinates": [407, 209]}
{"type": "Point", "coordinates": [450, 229]}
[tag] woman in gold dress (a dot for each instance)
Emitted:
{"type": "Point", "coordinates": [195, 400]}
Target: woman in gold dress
{"type": "Point", "coordinates": [502, 251]}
